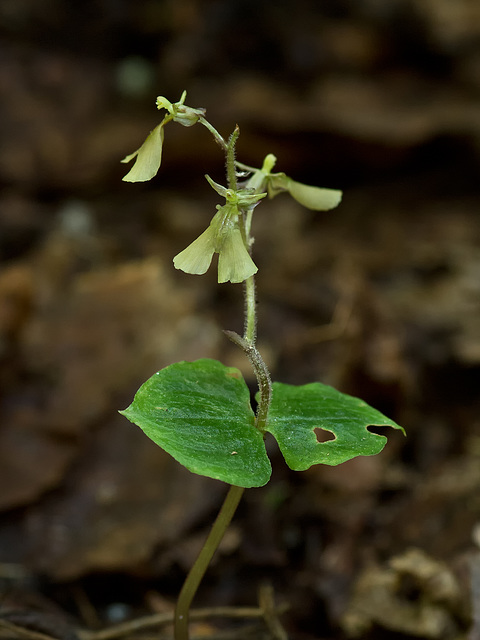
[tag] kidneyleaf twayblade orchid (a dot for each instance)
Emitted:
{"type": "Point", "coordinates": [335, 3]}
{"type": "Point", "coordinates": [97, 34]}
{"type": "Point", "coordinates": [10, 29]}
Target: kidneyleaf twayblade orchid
{"type": "Point", "coordinates": [223, 236]}
{"type": "Point", "coordinates": [201, 412]}
{"type": "Point", "coordinates": [316, 198]}
{"type": "Point", "coordinates": [149, 155]}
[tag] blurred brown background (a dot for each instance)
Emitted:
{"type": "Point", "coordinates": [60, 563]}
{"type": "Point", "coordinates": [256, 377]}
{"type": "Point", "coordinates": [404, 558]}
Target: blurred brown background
{"type": "Point", "coordinates": [379, 297]}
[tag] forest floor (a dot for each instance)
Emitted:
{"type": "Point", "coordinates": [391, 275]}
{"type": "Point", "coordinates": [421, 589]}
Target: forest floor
{"type": "Point", "coordinates": [380, 298]}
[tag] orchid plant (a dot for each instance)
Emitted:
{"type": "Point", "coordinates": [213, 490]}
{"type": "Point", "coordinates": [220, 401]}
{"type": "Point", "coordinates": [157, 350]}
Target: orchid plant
{"type": "Point", "coordinates": [200, 412]}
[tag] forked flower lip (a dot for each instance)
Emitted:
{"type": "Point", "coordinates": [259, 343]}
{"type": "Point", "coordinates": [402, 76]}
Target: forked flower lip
{"type": "Point", "coordinates": [222, 236]}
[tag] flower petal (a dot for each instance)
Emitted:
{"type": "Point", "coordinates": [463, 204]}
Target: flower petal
{"type": "Point", "coordinates": [220, 189]}
{"type": "Point", "coordinates": [149, 157]}
{"type": "Point", "coordinates": [256, 181]}
{"type": "Point", "coordinates": [196, 258]}
{"type": "Point", "coordinates": [234, 262]}
{"type": "Point", "coordinates": [316, 198]}
{"type": "Point", "coordinates": [258, 178]}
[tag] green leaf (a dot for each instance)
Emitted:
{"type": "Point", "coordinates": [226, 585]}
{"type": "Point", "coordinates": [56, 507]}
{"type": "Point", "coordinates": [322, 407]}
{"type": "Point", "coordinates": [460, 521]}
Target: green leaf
{"type": "Point", "coordinates": [148, 157]}
{"type": "Point", "coordinates": [200, 413]}
{"type": "Point", "coordinates": [315, 198]}
{"type": "Point", "coordinates": [296, 412]}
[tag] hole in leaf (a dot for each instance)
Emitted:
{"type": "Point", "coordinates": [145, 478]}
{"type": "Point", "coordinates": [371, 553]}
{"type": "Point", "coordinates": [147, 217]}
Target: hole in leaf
{"type": "Point", "coordinates": [378, 430]}
{"type": "Point", "coordinates": [323, 435]}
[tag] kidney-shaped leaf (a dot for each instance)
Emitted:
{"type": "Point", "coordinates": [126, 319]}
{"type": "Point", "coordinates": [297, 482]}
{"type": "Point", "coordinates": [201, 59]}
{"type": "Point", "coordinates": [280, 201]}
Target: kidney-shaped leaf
{"type": "Point", "coordinates": [299, 416]}
{"type": "Point", "coordinates": [200, 413]}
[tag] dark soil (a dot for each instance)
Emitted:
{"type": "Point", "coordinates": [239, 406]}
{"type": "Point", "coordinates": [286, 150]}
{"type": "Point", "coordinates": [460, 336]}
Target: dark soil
{"type": "Point", "coordinates": [380, 298]}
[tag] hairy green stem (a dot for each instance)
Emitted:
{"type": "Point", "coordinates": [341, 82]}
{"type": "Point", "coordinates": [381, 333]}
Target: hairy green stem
{"type": "Point", "coordinates": [261, 373]}
{"type": "Point", "coordinates": [250, 332]}
{"type": "Point", "coordinates": [216, 135]}
{"type": "Point", "coordinates": [201, 563]}
{"type": "Point", "coordinates": [230, 159]}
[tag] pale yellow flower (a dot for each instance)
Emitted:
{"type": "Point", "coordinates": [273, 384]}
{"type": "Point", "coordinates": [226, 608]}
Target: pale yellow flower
{"type": "Point", "coordinates": [149, 155]}
{"type": "Point", "coordinates": [316, 198]}
{"type": "Point", "coordinates": [223, 236]}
